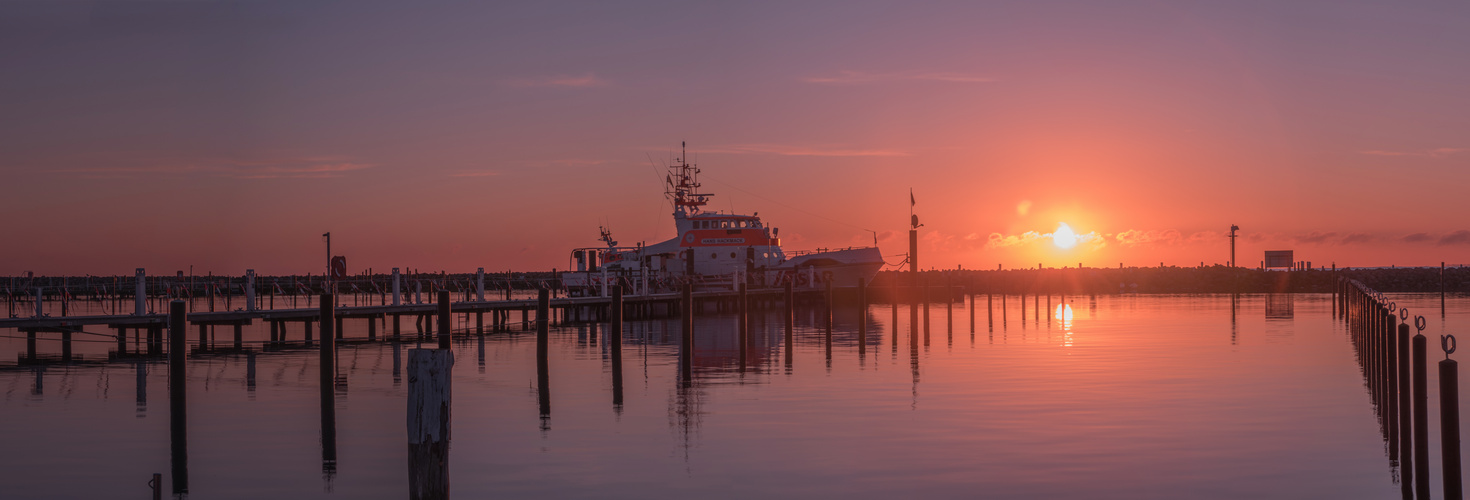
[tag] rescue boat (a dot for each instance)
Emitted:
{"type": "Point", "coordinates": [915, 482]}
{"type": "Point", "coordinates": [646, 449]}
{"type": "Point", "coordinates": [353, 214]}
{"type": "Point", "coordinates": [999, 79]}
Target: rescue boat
{"type": "Point", "coordinates": [713, 250]}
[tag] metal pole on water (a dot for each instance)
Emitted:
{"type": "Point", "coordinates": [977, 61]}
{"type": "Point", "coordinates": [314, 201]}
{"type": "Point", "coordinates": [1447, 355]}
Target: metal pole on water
{"type": "Point", "coordinates": [39, 304]}
{"type": "Point", "coordinates": [1449, 420]}
{"type": "Point", "coordinates": [177, 398]}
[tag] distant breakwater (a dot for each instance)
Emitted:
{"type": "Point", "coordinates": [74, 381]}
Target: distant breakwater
{"type": "Point", "coordinates": [1208, 279]}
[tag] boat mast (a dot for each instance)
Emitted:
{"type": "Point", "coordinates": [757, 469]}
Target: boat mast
{"type": "Point", "coordinates": [682, 185]}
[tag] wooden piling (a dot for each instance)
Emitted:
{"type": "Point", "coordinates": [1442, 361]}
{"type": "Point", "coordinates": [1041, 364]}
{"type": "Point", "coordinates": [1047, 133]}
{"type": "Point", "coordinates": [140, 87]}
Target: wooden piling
{"type": "Point", "coordinates": [1449, 427]}
{"type": "Point", "coordinates": [862, 316]}
{"type": "Point", "coordinates": [790, 320]}
{"type": "Point", "coordinates": [327, 381]}
{"type": "Point", "coordinates": [742, 336]}
{"type": "Point", "coordinates": [615, 344]}
{"type": "Point", "coordinates": [429, 408]}
{"type": "Point", "coordinates": [66, 346]}
{"type": "Point", "coordinates": [445, 320]}
{"type": "Point", "coordinates": [1421, 418]}
{"type": "Point", "coordinates": [543, 369]}
{"type": "Point", "coordinates": [177, 398]}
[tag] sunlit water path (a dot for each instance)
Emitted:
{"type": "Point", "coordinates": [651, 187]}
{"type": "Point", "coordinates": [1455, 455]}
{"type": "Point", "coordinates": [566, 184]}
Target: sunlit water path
{"type": "Point", "coordinates": [1135, 396]}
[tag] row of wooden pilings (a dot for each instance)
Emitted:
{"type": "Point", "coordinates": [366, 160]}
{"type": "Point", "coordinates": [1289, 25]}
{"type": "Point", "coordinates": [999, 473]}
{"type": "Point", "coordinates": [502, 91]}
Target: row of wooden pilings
{"type": "Point", "coordinates": [1395, 371]}
{"type": "Point", "coordinates": [429, 375]}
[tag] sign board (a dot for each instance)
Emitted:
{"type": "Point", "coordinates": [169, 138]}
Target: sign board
{"type": "Point", "coordinates": [339, 267]}
{"type": "Point", "coordinates": [1280, 258]}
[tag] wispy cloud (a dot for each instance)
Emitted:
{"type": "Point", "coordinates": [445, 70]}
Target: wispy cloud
{"type": "Point", "coordinates": [1091, 240]}
{"type": "Point", "coordinates": [1140, 237]}
{"type": "Point", "coordinates": [1417, 238]}
{"type": "Point", "coordinates": [792, 150]}
{"type": "Point", "coordinates": [586, 80]}
{"type": "Point", "coordinates": [1461, 237]}
{"type": "Point", "coordinates": [1358, 238]}
{"type": "Point", "coordinates": [475, 173]}
{"type": "Point", "coordinates": [1428, 153]}
{"type": "Point", "coordinates": [298, 168]}
{"type": "Point", "coordinates": [861, 77]}
{"type": "Point", "coordinates": [1315, 237]}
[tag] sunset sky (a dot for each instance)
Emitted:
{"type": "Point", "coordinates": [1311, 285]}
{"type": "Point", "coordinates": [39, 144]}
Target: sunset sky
{"type": "Point", "coordinates": [231, 135]}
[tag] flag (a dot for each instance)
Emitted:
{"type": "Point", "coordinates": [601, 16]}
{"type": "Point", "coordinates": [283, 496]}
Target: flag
{"type": "Point", "coordinates": [911, 198]}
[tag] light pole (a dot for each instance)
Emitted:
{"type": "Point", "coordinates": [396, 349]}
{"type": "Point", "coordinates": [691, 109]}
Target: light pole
{"type": "Point", "coordinates": [1233, 229]}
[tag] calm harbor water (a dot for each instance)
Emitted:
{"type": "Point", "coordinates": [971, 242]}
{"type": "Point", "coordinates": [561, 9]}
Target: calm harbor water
{"type": "Point", "coordinates": [1134, 396]}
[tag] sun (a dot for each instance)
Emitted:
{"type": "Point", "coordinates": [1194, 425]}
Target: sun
{"type": "Point", "coordinates": [1063, 237]}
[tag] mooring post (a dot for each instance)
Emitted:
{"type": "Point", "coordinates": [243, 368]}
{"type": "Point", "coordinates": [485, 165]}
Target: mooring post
{"type": "Point", "coordinates": [925, 297]}
{"type": "Point", "coordinates": [790, 318]}
{"type": "Point", "coordinates": [1421, 417]}
{"type": "Point", "coordinates": [1406, 430]}
{"type": "Point", "coordinates": [615, 340]}
{"type": "Point", "coordinates": [429, 408]}
{"type": "Point", "coordinates": [327, 381]}
{"type": "Point", "coordinates": [1449, 422]}
{"type": "Point", "coordinates": [949, 304]}
{"type": "Point", "coordinates": [66, 346]}
{"type": "Point", "coordinates": [250, 290]}
{"type": "Point", "coordinates": [742, 336]}
{"type": "Point", "coordinates": [177, 403]}
{"type": "Point", "coordinates": [862, 315]}
{"type": "Point", "coordinates": [40, 297]}
{"type": "Point", "coordinates": [543, 368]}
{"type": "Point", "coordinates": [827, 298]}
{"type": "Point", "coordinates": [970, 291]}
{"type": "Point", "coordinates": [480, 284]}
{"type": "Point", "coordinates": [397, 288]}
{"type": "Point", "coordinates": [140, 292]}
{"type": "Point", "coordinates": [157, 485]}
{"type": "Point", "coordinates": [239, 336]}
{"type": "Point", "coordinates": [444, 319]}
{"type": "Point", "coordinates": [1391, 379]}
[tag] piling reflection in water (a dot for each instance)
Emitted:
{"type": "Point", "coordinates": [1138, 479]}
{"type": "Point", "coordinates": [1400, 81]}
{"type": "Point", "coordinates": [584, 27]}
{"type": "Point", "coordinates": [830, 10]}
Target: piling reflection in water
{"type": "Point", "coordinates": [1280, 306]}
